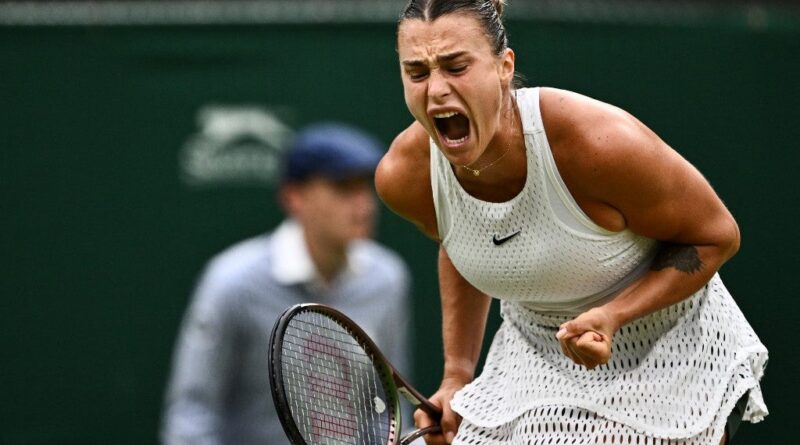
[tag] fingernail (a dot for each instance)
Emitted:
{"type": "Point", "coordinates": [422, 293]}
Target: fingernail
{"type": "Point", "coordinates": [450, 436]}
{"type": "Point", "coordinates": [561, 333]}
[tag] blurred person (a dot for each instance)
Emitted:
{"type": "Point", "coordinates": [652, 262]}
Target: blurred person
{"type": "Point", "coordinates": [219, 390]}
{"type": "Point", "coordinates": [591, 231]}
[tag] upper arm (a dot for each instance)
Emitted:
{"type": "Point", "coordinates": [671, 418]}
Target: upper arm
{"type": "Point", "coordinates": [609, 158]}
{"type": "Point", "coordinates": [403, 179]}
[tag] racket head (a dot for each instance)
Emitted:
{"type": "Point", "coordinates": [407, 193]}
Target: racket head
{"type": "Point", "coordinates": [330, 383]}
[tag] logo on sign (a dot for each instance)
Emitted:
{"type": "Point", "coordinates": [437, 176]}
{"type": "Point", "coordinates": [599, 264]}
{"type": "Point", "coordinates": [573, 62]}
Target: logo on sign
{"type": "Point", "coordinates": [234, 145]}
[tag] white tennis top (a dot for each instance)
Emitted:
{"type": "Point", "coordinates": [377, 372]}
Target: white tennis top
{"type": "Point", "coordinates": [674, 374]}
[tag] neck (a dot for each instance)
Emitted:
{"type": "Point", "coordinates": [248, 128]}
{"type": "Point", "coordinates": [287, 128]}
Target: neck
{"type": "Point", "coordinates": [504, 141]}
{"type": "Point", "coordinates": [505, 178]}
{"type": "Point", "coordinates": [329, 258]}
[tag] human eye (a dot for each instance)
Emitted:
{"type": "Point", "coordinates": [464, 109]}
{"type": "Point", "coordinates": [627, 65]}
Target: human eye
{"type": "Point", "coordinates": [416, 75]}
{"type": "Point", "coordinates": [457, 65]}
{"type": "Point", "coordinates": [458, 69]}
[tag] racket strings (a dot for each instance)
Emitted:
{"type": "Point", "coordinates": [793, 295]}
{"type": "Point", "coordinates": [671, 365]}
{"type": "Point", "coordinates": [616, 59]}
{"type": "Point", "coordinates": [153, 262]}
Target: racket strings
{"type": "Point", "coordinates": [333, 380]}
{"type": "Point", "coordinates": [335, 393]}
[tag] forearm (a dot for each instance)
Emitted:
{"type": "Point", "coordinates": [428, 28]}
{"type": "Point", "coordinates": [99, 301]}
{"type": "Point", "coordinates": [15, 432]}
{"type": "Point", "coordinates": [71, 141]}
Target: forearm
{"type": "Point", "coordinates": [464, 313]}
{"type": "Point", "coordinates": [677, 272]}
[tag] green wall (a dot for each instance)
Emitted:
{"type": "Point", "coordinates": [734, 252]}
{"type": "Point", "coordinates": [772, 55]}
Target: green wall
{"type": "Point", "coordinates": [101, 239]}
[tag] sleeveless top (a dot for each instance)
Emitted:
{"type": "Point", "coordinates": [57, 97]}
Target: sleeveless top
{"type": "Point", "coordinates": [558, 259]}
{"type": "Point", "coordinates": [672, 373]}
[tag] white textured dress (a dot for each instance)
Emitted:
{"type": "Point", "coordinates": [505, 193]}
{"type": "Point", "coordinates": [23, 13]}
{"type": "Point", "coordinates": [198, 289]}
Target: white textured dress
{"type": "Point", "coordinates": [674, 376]}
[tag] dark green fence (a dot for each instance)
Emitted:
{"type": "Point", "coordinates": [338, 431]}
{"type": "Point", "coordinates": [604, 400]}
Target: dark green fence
{"type": "Point", "coordinates": [106, 222]}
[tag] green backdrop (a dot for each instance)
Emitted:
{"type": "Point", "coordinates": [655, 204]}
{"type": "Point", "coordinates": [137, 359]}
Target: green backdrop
{"type": "Point", "coordinates": [102, 239]}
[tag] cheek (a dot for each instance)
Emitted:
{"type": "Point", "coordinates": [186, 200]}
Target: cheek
{"type": "Point", "coordinates": [414, 99]}
{"type": "Point", "coordinates": [489, 100]}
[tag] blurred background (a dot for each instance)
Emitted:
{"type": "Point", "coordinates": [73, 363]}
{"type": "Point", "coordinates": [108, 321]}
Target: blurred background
{"type": "Point", "coordinates": [137, 139]}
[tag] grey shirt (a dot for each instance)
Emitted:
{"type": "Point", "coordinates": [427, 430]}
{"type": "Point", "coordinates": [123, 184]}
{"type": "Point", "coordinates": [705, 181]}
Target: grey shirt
{"type": "Point", "coordinates": [219, 392]}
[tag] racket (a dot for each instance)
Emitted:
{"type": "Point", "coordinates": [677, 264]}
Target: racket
{"type": "Point", "coordinates": [331, 385]}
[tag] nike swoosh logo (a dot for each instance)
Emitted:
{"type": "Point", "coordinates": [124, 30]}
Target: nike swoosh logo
{"type": "Point", "coordinates": [498, 241]}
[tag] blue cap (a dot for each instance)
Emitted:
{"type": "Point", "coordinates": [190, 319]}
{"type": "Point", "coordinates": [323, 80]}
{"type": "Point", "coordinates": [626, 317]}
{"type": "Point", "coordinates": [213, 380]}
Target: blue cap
{"type": "Point", "coordinates": [331, 150]}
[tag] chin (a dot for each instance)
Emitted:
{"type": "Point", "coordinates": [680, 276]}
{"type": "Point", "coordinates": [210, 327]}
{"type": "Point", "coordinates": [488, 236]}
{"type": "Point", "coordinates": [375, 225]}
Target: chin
{"type": "Point", "coordinates": [364, 233]}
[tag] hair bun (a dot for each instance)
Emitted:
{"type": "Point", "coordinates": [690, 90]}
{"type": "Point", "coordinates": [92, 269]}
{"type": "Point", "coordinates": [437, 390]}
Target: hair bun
{"type": "Point", "coordinates": [499, 4]}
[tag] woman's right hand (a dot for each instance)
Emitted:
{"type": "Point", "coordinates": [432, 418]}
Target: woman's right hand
{"type": "Point", "coordinates": [450, 419]}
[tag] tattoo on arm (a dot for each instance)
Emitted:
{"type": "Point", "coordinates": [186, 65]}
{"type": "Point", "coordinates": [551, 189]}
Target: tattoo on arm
{"type": "Point", "coordinates": [682, 257]}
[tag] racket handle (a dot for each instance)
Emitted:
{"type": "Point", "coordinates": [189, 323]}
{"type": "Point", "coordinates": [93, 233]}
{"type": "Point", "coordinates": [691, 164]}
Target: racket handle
{"type": "Point", "coordinates": [417, 399]}
{"type": "Point", "coordinates": [414, 435]}
{"type": "Point", "coordinates": [430, 409]}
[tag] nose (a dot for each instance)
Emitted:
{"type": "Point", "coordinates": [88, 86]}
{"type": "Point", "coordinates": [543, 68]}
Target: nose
{"type": "Point", "coordinates": [364, 207]}
{"type": "Point", "coordinates": [364, 199]}
{"type": "Point", "coordinates": [358, 195]}
{"type": "Point", "coordinates": [438, 86]}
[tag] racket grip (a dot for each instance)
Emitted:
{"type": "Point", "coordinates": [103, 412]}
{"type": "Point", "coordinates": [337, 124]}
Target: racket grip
{"type": "Point", "coordinates": [413, 396]}
{"type": "Point", "coordinates": [431, 410]}
{"type": "Point", "coordinates": [414, 435]}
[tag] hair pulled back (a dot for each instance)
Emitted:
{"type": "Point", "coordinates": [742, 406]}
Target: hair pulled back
{"type": "Point", "coordinates": [487, 12]}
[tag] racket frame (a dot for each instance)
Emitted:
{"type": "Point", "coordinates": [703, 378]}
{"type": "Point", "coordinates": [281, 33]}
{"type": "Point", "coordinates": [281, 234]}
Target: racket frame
{"type": "Point", "coordinates": [393, 382]}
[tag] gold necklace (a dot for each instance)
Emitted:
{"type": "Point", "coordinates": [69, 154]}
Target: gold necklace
{"type": "Point", "coordinates": [477, 171]}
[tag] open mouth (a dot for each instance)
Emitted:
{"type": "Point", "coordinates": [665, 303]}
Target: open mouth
{"type": "Point", "coordinates": [452, 126]}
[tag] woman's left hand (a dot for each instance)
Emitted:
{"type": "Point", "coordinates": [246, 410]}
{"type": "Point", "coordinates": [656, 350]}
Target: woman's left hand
{"type": "Point", "coordinates": [587, 339]}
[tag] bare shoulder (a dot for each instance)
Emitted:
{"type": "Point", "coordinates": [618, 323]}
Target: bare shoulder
{"type": "Point", "coordinates": [598, 143]}
{"type": "Point", "coordinates": [403, 179]}
{"type": "Point", "coordinates": [619, 171]}
{"type": "Point", "coordinates": [575, 122]}
{"type": "Point", "coordinates": [596, 146]}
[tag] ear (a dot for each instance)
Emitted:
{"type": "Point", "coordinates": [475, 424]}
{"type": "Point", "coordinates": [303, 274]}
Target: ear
{"type": "Point", "coordinates": [289, 198]}
{"type": "Point", "coordinates": [506, 67]}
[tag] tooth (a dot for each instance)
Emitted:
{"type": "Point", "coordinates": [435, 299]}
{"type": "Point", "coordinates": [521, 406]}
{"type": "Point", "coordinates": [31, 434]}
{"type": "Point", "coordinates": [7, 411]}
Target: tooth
{"type": "Point", "coordinates": [445, 115]}
{"type": "Point", "coordinates": [456, 141]}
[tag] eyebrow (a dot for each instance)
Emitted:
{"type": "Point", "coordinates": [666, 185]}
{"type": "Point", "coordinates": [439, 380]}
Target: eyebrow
{"type": "Point", "coordinates": [440, 59]}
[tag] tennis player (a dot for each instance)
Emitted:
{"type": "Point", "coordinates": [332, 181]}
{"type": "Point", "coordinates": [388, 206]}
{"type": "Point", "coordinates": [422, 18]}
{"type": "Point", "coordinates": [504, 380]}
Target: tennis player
{"type": "Point", "coordinates": [602, 242]}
